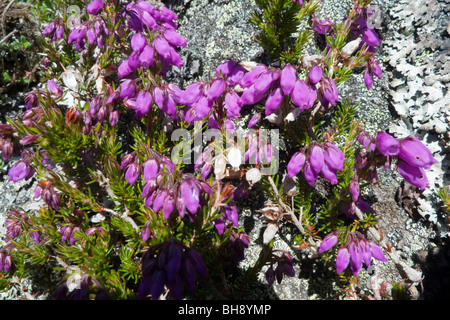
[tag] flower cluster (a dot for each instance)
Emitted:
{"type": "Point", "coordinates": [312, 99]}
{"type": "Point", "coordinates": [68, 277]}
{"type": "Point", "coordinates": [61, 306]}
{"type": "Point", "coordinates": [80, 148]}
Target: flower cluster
{"type": "Point", "coordinates": [170, 264]}
{"type": "Point", "coordinates": [413, 157]}
{"type": "Point", "coordinates": [165, 188]}
{"type": "Point", "coordinates": [360, 28]}
{"type": "Point", "coordinates": [356, 250]}
{"type": "Point", "coordinates": [68, 233]}
{"type": "Point", "coordinates": [325, 159]}
{"type": "Point", "coordinates": [46, 190]}
{"type": "Point", "coordinates": [5, 261]}
{"type": "Point", "coordinates": [284, 267]}
{"type": "Point", "coordinates": [22, 168]}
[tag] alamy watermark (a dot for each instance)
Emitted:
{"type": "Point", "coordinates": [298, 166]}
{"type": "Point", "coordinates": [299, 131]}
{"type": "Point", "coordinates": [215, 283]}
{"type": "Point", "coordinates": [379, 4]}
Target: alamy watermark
{"type": "Point", "coordinates": [239, 147]}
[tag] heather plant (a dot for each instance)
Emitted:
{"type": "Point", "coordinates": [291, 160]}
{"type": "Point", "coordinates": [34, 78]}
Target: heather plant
{"type": "Point", "coordinates": [141, 181]}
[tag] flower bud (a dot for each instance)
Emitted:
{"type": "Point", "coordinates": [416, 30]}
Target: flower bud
{"type": "Point", "coordinates": [387, 144]}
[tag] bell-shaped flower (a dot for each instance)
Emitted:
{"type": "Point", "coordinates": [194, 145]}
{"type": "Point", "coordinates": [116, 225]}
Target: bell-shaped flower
{"type": "Point", "coordinates": [231, 71]}
{"type": "Point", "coordinates": [310, 175]}
{"type": "Point", "coordinates": [328, 93]}
{"type": "Point", "coordinates": [328, 242]}
{"type": "Point", "coordinates": [329, 174]}
{"type": "Point", "coordinates": [366, 140]}
{"type": "Point", "coordinates": [321, 26]}
{"type": "Point", "coordinates": [250, 96]}
{"type": "Point", "coordinates": [150, 169]}
{"type": "Point", "coordinates": [168, 206]}
{"type": "Point", "coordinates": [250, 77]}
{"type": "Point", "coordinates": [95, 7]}
{"type": "Point", "coordinates": [148, 20]}
{"type": "Point", "coordinates": [376, 252]}
{"type": "Point", "coordinates": [192, 93]}
{"type": "Point", "coordinates": [413, 151]}
{"type": "Point", "coordinates": [234, 157]}
{"type": "Point", "coordinates": [146, 56]}
{"type": "Point", "coordinates": [174, 38]}
{"type": "Point", "coordinates": [133, 172]}
{"type": "Point", "coordinates": [333, 156]}
{"type": "Point", "coordinates": [387, 144]}
{"type": "Point", "coordinates": [370, 37]}
{"type": "Point", "coordinates": [143, 103]}
{"type": "Point", "coordinates": [315, 74]}
{"type": "Point", "coordinates": [296, 163]}
{"type": "Point", "coordinates": [191, 195]}
{"type": "Point", "coordinates": [124, 69]}
{"type": "Point", "coordinates": [127, 89]}
{"type": "Point", "coordinates": [354, 188]}
{"type": "Point", "coordinates": [138, 42]}
{"type": "Point", "coordinates": [288, 79]}
{"type": "Point", "coordinates": [413, 175]}
{"type": "Point", "coordinates": [300, 94]}
{"type": "Point", "coordinates": [274, 101]}
{"type": "Point", "coordinates": [162, 47]}
{"type": "Point", "coordinates": [316, 157]}
{"type": "Point", "coordinates": [263, 83]}
{"type": "Point", "coordinates": [356, 257]}
{"type": "Point", "coordinates": [254, 120]}
{"type": "Point", "coordinates": [54, 88]}
{"type": "Point", "coordinates": [160, 199]}
{"type": "Point", "coordinates": [20, 170]}
{"type": "Point", "coordinates": [216, 89]}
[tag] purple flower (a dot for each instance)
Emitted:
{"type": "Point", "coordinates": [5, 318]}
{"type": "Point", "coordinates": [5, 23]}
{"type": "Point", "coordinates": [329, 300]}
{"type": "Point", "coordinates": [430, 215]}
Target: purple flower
{"type": "Point", "coordinates": [387, 144]}
{"type": "Point", "coordinates": [373, 68]}
{"type": "Point", "coordinates": [250, 77]}
{"type": "Point", "coordinates": [250, 96]}
{"type": "Point", "coordinates": [333, 157]}
{"type": "Point", "coordinates": [413, 151]}
{"type": "Point", "coordinates": [146, 56]}
{"type": "Point", "coordinates": [168, 206]}
{"type": "Point", "coordinates": [413, 175]}
{"type": "Point", "coordinates": [315, 74]}
{"type": "Point", "coordinates": [231, 72]}
{"type": "Point", "coordinates": [170, 264]}
{"type": "Point", "coordinates": [366, 140]}
{"type": "Point", "coordinates": [354, 188]}
{"type": "Point", "coordinates": [284, 267]}
{"type": "Point", "coordinates": [287, 79]}
{"type": "Point", "coordinates": [95, 7]}
{"type": "Point", "coordinates": [316, 157]}
{"type": "Point", "coordinates": [274, 101]}
{"type": "Point", "coordinates": [329, 241]}
{"type": "Point", "coordinates": [54, 89]}
{"type": "Point", "coordinates": [321, 26]}
{"type": "Point", "coordinates": [164, 100]}
{"type": "Point", "coordinates": [150, 169]}
{"type": "Point", "coordinates": [190, 194]}
{"type": "Point", "coordinates": [133, 172]}
{"type": "Point", "coordinates": [216, 89]}
{"type": "Point", "coordinates": [328, 93]}
{"type": "Point", "coordinates": [20, 170]}
{"type": "Point", "coordinates": [138, 42]}
{"type": "Point", "coordinates": [174, 38]}
{"type": "Point", "coordinates": [355, 252]}
{"type": "Point", "coordinates": [296, 163]}
{"type": "Point", "coordinates": [300, 94]}
{"type": "Point", "coordinates": [254, 120]}
{"type": "Point", "coordinates": [143, 103]}
{"type": "Point", "coordinates": [370, 37]}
